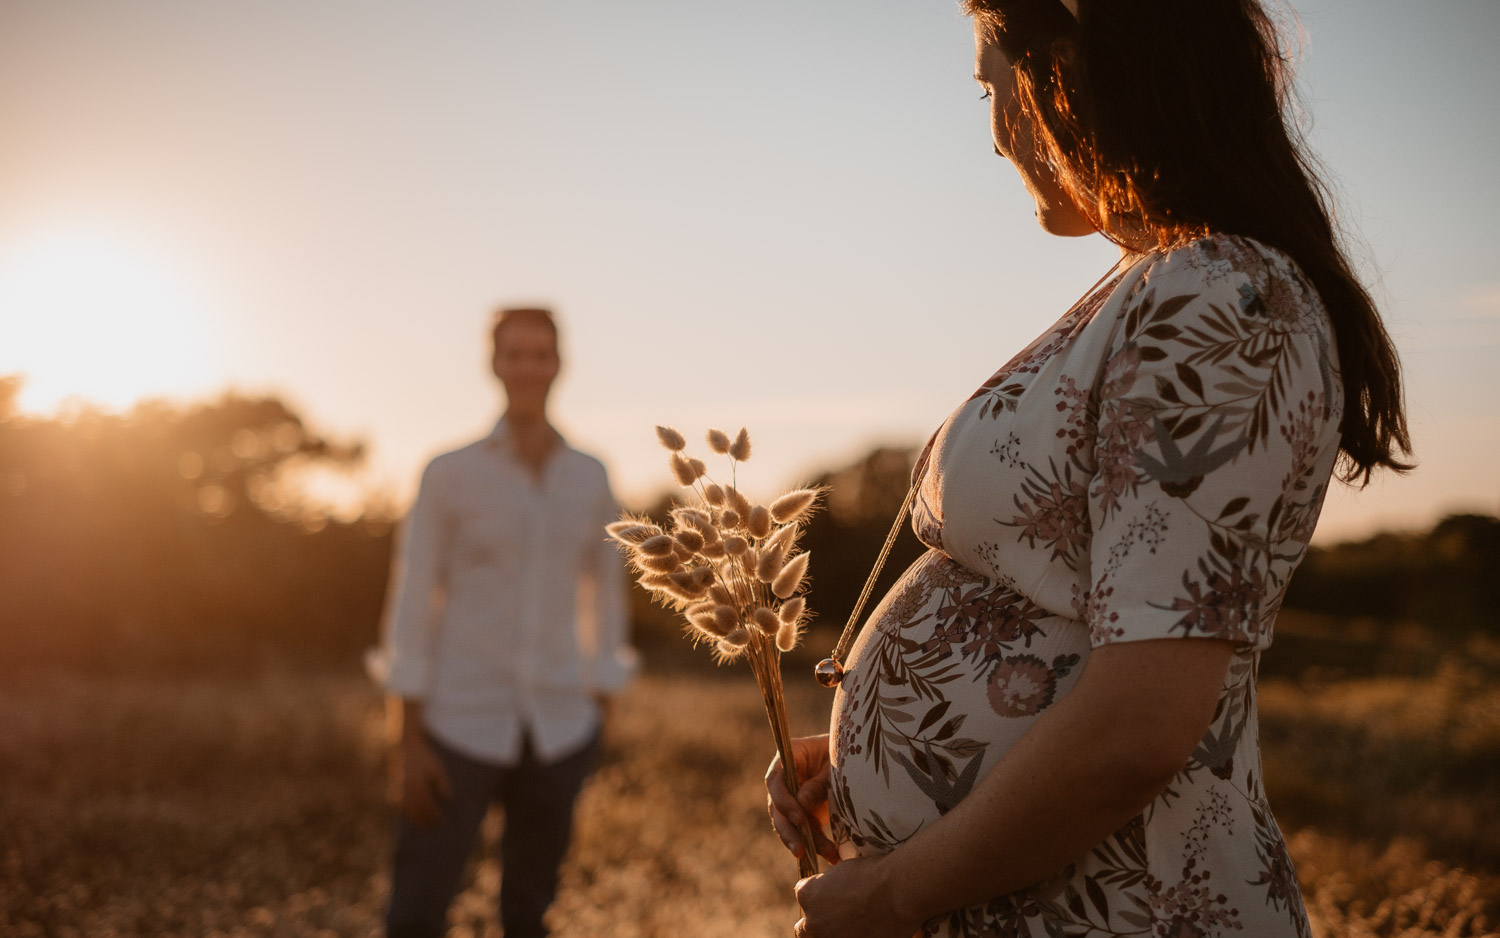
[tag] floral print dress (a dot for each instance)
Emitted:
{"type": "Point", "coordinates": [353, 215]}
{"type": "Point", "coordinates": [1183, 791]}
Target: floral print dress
{"type": "Point", "coordinates": [1150, 468]}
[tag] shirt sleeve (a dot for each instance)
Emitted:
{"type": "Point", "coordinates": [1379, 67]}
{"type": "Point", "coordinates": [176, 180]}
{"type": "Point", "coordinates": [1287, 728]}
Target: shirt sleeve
{"type": "Point", "coordinates": [609, 661]}
{"type": "Point", "coordinates": [1217, 432]}
{"type": "Point", "coordinates": [418, 576]}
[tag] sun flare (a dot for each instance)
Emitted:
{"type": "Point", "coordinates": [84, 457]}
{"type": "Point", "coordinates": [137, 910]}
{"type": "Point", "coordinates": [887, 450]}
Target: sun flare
{"type": "Point", "coordinates": [92, 315]}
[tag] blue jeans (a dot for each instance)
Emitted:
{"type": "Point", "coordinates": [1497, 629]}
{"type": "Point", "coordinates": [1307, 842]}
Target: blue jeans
{"type": "Point", "coordinates": [538, 801]}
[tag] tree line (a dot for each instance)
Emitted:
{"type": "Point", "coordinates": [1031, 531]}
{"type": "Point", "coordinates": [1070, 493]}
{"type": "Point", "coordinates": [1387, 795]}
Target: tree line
{"type": "Point", "coordinates": [174, 537]}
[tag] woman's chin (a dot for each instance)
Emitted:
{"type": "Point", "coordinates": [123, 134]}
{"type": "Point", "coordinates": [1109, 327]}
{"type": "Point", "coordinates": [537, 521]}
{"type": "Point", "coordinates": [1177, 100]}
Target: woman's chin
{"type": "Point", "coordinates": [1064, 221]}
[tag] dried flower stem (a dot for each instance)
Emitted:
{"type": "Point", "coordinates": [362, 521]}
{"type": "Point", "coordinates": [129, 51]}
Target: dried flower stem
{"type": "Point", "coordinates": [765, 664]}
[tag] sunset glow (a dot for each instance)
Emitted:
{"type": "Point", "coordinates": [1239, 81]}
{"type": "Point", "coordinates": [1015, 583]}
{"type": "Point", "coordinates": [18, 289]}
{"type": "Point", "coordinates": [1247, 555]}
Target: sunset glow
{"type": "Point", "coordinates": [91, 315]}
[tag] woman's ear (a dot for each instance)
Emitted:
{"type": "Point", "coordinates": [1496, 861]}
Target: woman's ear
{"type": "Point", "coordinates": [1065, 53]}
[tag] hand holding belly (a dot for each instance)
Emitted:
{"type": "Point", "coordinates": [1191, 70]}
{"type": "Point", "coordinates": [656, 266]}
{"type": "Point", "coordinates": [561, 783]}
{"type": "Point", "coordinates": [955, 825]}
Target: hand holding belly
{"type": "Point", "coordinates": [852, 900]}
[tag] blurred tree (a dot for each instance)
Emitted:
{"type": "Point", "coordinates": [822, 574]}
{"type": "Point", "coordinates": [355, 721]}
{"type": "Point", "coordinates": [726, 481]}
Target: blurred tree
{"type": "Point", "coordinates": [171, 536]}
{"type": "Point", "coordinates": [1447, 578]}
{"type": "Point", "coordinates": [10, 389]}
{"type": "Point", "coordinates": [179, 537]}
{"type": "Point", "coordinates": [863, 499]}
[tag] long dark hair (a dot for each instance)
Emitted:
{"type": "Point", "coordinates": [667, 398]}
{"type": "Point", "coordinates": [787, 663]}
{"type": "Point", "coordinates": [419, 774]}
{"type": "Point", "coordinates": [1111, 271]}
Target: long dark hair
{"type": "Point", "coordinates": [1170, 114]}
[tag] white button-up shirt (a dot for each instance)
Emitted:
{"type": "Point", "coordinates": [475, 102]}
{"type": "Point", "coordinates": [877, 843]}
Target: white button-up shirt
{"type": "Point", "coordinates": [507, 612]}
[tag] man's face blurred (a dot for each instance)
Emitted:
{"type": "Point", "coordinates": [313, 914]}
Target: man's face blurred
{"type": "Point", "coordinates": [526, 362]}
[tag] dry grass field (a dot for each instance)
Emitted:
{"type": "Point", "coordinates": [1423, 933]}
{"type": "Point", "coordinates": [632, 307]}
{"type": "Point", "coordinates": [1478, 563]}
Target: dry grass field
{"type": "Point", "coordinates": [255, 807]}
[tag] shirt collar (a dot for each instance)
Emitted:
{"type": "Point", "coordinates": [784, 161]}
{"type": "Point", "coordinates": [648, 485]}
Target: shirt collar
{"type": "Point", "coordinates": [499, 437]}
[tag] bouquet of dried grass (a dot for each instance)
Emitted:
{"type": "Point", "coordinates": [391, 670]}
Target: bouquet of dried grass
{"type": "Point", "coordinates": [732, 568]}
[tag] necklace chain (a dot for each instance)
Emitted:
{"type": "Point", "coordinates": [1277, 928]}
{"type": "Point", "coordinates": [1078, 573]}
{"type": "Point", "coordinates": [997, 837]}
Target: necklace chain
{"type": "Point", "coordinates": [847, 638]}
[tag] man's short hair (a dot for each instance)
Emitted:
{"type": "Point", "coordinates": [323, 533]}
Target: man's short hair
{"type": "Point", "coordinates": [535, 315]}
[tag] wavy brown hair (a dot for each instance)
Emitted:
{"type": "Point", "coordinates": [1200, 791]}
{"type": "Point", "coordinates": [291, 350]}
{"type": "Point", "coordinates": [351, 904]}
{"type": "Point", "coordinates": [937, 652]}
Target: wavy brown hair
{"type": "Point", "coordinates": [1171, 115]}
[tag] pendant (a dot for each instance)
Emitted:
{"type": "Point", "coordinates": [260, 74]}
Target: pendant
{"type": "Point", "coordinates": [829, 672]}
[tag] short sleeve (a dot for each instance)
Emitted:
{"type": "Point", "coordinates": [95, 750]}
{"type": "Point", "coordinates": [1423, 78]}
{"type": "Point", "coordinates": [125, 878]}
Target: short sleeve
{"type": "Point", "coordinates": [1218, 412]}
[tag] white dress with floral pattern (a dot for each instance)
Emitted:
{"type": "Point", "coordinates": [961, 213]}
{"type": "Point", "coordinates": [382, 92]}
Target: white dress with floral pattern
{"type": "Point", "coordinates": [1151, 467]}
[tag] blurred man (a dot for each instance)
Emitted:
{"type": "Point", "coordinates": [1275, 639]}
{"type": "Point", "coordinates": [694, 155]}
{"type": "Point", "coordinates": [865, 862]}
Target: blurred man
{"type": "Point", "coordinates": [505, 635]}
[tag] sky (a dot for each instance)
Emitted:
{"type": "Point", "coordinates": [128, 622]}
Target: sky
{"type": "Point", "coordinates": [785, 216]}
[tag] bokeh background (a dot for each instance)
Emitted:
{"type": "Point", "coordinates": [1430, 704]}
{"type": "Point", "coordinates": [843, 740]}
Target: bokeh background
{"type": "Point", "coordinates": [247, 259]}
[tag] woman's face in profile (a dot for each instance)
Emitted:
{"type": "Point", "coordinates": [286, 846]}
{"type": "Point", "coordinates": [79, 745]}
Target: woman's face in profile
{"type": "Point", "coordinates": [1015, 140]}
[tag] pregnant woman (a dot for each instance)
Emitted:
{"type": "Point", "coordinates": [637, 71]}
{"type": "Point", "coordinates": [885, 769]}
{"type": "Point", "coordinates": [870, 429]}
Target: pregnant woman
{"type": "Point", "coordinates": [1048, 726]}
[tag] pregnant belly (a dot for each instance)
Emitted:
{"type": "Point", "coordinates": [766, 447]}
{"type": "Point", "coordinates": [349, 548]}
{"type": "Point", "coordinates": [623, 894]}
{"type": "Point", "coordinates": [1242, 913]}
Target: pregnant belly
{"type": "Point", "coordinates": [949, 671]}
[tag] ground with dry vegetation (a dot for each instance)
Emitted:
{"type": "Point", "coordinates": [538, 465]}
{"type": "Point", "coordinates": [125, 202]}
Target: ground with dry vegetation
{"type": "Point", "coordinates": [254, 806]}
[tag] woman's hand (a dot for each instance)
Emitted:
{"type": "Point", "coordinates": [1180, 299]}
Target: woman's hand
{"type": "Point", "coordinates": [810, 807]}
{"type": "Point", "coordinates": [852, 900]}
